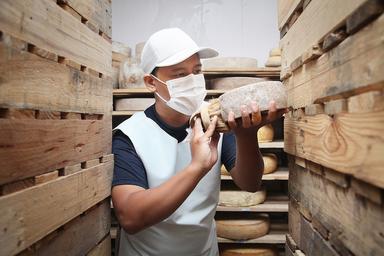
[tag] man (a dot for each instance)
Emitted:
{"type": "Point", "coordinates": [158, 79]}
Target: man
{"type": "Point", "coordinates": [167, 176]}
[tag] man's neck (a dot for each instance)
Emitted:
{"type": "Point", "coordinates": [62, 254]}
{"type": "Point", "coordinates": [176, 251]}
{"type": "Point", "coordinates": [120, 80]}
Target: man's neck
{"type": "Point", "coordinates": [170, 116]}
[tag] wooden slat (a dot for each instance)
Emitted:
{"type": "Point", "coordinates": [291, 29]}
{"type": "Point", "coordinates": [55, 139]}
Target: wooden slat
{"type": "Point", "coordinates": [271, 238]}
{"type": "Point", "coordinates": [32, 147]}
{"type": "Point", "coordinates": [49, 27]}
{"type": "Point", "coordinates": [89, 228]}
{"type": "Point", "coordinates": [29, 215]}
{"type": "Point", "coordinates": [280, 174]}
{"type": "Point", "coordinates": [354, 66]}
{"type": "Point", "coordinates": [102, 249]}
{"type": "Point", "coordinates": [354, 223]}
{"type": "Point", "coordinates": [267, 206]}
{"type": "Point", "coordinates": [350, 143]}
{"type": "Point", "coordinates": [314, 23]}
{"type": "Point", "coordinates": [311, 242]}
{"type": "Point", "coordinates": [29, 81]}
{"type": "Point", "coordinates": [285, 9]}
{"type": "Point", "coordinates": [97, 12]}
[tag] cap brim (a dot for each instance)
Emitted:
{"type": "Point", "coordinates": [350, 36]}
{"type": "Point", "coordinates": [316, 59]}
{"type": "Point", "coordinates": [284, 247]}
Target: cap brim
{"type": "Point", "coordinates": [204, 53]}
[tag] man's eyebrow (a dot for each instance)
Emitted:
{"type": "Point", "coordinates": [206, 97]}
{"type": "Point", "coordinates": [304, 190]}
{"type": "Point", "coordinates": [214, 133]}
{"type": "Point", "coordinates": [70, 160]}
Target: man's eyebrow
{"type": "Point", "coordinates": [178, 69]}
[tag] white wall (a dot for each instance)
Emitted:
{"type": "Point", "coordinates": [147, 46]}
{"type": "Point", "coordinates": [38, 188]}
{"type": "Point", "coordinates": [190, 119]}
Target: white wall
{"type": "Point", "coordinates": [241, 28]}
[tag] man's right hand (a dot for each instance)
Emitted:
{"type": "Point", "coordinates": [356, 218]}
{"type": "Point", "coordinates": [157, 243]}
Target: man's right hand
{"type": "Point", "coordinates": [204, 146]}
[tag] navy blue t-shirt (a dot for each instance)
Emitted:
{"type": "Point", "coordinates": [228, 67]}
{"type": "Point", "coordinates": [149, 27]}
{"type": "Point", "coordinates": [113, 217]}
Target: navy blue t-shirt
{"type": "Point", "coordinates": [130, 170]}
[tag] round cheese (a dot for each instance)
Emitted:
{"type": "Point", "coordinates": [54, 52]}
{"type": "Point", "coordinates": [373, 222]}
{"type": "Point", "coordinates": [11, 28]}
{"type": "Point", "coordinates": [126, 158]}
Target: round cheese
{"type": "Point", "coordinates": [243, 229]}
{"type": "Point", "coordinates": [273, 61]}
{"type": "Point", "coordinates": [265, 133]}
{"type": "Point", "coordinates": [275, 52]}
{"type": "Point", "coordinates": [270, 162]}
{"type": "Point", "coordinates": [248, 252]}
{"type": "Point", "coordinates": [133, 104]}
{"type": "Point", "coordinates": [229, 63]}
{"type": "Point", "coordinates": [241, 198]}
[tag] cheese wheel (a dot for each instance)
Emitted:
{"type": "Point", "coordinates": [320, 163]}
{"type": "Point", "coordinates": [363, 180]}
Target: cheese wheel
{"type": "Point", "coordinates": [131, 75]}
{"type": "Point", "coordinates": [270, 163]}
{"type": "Point", "coordinates": [138, 50]}
{"type": "Point", "coordinates": [275, 52]}
{"type": "Point", "coordinates": [228, 83]}
{"type": "Point", "coordinates": [265, 133]}
{"type": "Point", "coordinates": [223, 171]}
{"type": "Point", "coordinates": [241, 198]}
{"type": "Point", "coordinates": [120, 52]}
{"type": "Point", "coordinates": [243, 229]}
{"type": "Point", "coordinates": [248, 252]}
{"type": "Point", "coordinates": [273, 61]}
{"type": "Point", "coordinates": [134, 104]}
{"type": "Point", "coordinates": [229, 63]}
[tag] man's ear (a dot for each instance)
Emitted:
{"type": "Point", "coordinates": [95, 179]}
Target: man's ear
{"type": "Point", "coordinates": [150, 83]}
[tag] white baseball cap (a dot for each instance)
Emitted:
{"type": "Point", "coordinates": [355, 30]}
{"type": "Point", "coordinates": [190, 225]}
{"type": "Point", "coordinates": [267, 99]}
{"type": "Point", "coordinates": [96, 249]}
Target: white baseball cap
{"type": "Point", "coordinates": [170, 46]}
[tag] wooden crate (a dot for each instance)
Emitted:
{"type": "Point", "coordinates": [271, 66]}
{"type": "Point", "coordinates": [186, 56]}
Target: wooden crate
{"type": "Point", "coordinates": [333, 56]}
{"type": "Point", "coordinates": [55, 127]}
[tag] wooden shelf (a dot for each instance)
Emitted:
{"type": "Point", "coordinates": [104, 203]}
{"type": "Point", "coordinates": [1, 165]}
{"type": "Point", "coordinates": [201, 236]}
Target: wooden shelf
{"type": "Point", "coordinates": [123, 113]}
{"type": "Point", "coordinates": [256, 72]}
{"type": "Point", "coordinates": [267, 206]}
{"type": "Point", "coordinates": [280, 174]}
{"type": "Point", "coordinates": [145, 92]}
{"type": "Point", "coordinates": [272, 144]}
{"type": "Point", "coordinates": [273, 237]}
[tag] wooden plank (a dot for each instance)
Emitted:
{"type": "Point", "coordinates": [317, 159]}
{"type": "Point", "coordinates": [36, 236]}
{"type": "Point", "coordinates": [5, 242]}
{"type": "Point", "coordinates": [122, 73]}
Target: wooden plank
{"type": "Point", "coordinates": [67, 170]}
{"type": "Point", "coordinates": [368, 191]}
{"type": "Point", "coordinates": [267, 206]}
{"type": "Point", "coordinates": [352, 221]}
{"type": "Point", "coordinates": [312, 53]}
{"type": "Point", "coordinates": [291, 243]}
{"type": "Point", "coordinates": [46, 25]}
{"type": "Point", "coordinates": [349, 142]}
{"type": "Point", "coordinates": [338, 178]}
{"type": "Point", "coordinates": [32, 147]}
{"type": "Point", "coordinates": [23, 221]}
{"type": "Point", "coordinates": [314, 109]}
{"type": "Point", "coordinates": [280, 174]}
{"type": "Point", "coordinates": [352, 67]}
{"type": "Point", "coordinates": [294, 221]}
{"type": "Point", "coordinates": [39, 179]}
{"type": "Point", "coordinates": [42, 114]}
{"type": "Point", "coordinates": [29, 81]}
{"type": "Point", "coordinates": [364, 14]}
{"type": "Point", "coordinates": [271, 238]}
{"type": "Point", "coordinates": [89, 228]}
{"type": "Point", "coordinates": [335, 106]}
{"type": "Point", "coordinates": [103, 248]}
{"type": "Point", "coordinates": [107, 158]}
{"type": "Point", "coordinates": [314, 23]}
{"type": "Point", "coordinates": [285, 9]}
{"type": "Point", "coordinates": [91, 163]}
{"type": "Point", "coordinates": [12, 113]}
{"type": "Point", "coordinates": [97, 12]}
{"type": "Point", "coordinates": [366, 102]}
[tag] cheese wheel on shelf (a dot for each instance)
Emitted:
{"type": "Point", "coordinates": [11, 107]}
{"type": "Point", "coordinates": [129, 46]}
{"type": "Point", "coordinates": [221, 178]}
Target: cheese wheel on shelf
{"type": "Point", "coordinates": [133, 104]}
{"type": "Point", "coordinates": [229, 63]}
{"type": "Point", "coordinates": [270, 162]}
{"type": "Point", "coordinates": [248, 252]}
{"type": "Point", "coordinates": [243, 229]}
{"type": "Point", "coordinates": [228, 83]}
{"type": "Point", "coordinates": [241, 198]}
{"type": "Point", "coordinates": [273, 61]}
{"type": "Point", "coordinates": [224, 171]}
{"type": "Point", "coordinates": [275, 52]}
{"type": "Point", "coordinates": [265, 133]}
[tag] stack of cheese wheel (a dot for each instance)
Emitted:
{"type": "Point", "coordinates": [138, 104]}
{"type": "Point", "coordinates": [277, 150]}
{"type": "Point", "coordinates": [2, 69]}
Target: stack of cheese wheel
{"type": "Point", "coordinates": [228, 83]}
{"type": "Point", "coordinates": [244, 228]}
{"type": "Point", "coordinates": [274, 59]}
{"type": "Point", "coordinates": [235, 198]}
{"type": "Point", "coordinates": [265, 133]}
{"type": "Point", "coordinates": [120, 53]}
{"type": "Point", "coordinates": [270, 162]}
{"type": "Point", "coordinates": [229, 64]}
{"type": "Point", "coordinates": [133, 104]}
{"type": "Point", "coordinates": [248, 252]}
{"type": "Point", "coordinates": [138, 50]}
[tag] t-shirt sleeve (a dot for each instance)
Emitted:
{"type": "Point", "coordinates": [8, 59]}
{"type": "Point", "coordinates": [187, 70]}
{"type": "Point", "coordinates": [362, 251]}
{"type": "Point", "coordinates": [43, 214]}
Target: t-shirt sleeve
{"type": "Point", "coordinates": [128, 168]}
{"type": "Point", "coordinates": [228, 150]}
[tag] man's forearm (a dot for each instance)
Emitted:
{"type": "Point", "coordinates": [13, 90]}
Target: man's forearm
{"type": "Point", "coordinates": [249, 166]}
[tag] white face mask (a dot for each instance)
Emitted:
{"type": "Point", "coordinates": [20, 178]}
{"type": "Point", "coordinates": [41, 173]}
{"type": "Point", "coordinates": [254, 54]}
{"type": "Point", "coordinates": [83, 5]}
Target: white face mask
{"type": "Point", "coordinates": [187, 93]}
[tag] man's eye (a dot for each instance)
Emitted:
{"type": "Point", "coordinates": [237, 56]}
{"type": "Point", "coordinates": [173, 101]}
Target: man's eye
{"type": "Point", "coordinates": [180, 74]}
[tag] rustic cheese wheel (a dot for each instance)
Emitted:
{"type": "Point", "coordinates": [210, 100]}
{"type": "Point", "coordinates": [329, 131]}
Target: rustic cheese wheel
{"type": "Point", "coordinates": [224, 171]}
{"type": "Point", "coordinates": [265, 133]}
{"type": "Point", "coordinates": [131, 75]}
{"type": "Point", "coordinates": [241, 198]}
{"type": "Point", "coordinates": [273, 61]}
{"type": "Point", "coordinates": [248, 252]}
{"type": "Point", "coordinates": [134, 104]}
{"type": "Point", "coordinates": [229, 63]}
{"type": "Point", "coordinates": [228, 83]}
{"type": "Point", "coordinates": [275, 52]}
{"type": "Point", "coordinates": [243, 229]}
{"type": "Point", "coordinates": [115, 77]}
{"type": "Point", "coordinates": [270, 162]}
{"type": "Point", "coordinates": [120, 51]}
